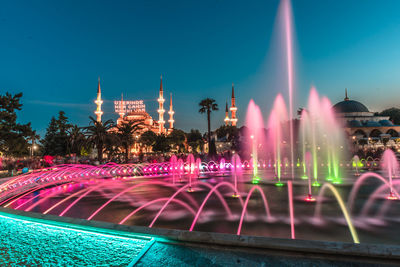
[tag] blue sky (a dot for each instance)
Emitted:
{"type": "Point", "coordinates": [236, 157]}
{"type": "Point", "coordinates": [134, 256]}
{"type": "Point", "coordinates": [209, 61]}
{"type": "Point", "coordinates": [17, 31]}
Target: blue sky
{"type": "Point", "coordinates": [54, 51]}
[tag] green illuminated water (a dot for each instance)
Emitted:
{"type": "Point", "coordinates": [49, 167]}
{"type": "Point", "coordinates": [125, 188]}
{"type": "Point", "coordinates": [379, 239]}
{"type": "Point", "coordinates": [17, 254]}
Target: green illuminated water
{"type": "Point", "coordinates": [28, 243]}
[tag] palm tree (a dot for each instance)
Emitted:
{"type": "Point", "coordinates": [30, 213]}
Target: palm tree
{"type": "Point", "coordinates": [208, 105]}
{"type": "Point", "coordinates": [76, 140]}
{"type": "Point", "coordinates": [97, 133]}
{"type": "Point", "coordinates": [126, 132]}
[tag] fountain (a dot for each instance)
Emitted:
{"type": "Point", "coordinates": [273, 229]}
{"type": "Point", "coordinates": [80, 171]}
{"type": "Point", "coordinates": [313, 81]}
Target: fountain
{"type": "Point", "coordinates": [307, 160]}
{"type": "Point", "coordinates": [356, 164]}
{"type": "Point", "coordinates": [236, 170]}
{"type": "Point", "coordinates": [191, 167]}
{"type": "Point", "coordinates": [322, 135]}
{"type": "Point", "coordinates": [173, 167]}
{"type": "Point", "coordinates": [237, 196]}
{"type": "Point", "coordinates": [390, 167]}
{"type": "Point", "coordinates": [254, 122]}
{"type": "Point", "coordinates": [102, 192]}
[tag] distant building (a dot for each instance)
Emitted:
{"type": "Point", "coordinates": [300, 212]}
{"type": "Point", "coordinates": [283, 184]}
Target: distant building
{"type": "Point", "coordinates": [227, 120]}
{"type": "Point", "coordinates": [233, 109]}
{"type": "Point", "coordinates": [136, 111]}
{"type": "Point", "coordinates": [98, 102]}
{"type": "Point", "coordinates": [361, 124]}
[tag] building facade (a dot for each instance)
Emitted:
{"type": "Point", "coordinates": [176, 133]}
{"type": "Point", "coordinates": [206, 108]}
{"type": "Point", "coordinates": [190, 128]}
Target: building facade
{"type": "Point", "coordinates": [135, 111]}
{"type": "Point", "coordinates": [364, 126]}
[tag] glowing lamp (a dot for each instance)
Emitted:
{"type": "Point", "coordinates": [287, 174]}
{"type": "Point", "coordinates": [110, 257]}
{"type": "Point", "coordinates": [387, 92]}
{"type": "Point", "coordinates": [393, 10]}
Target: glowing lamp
{"type": "Point", "coordinates": [392, 196]}
{"type": "Point", "coordinates": [309, 198]}
{"type": "Point", "coordinates": [316, 183]}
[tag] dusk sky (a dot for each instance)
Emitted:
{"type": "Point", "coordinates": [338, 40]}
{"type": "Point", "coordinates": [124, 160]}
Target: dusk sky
{"type": "Point", "coordinates": [54, 52]}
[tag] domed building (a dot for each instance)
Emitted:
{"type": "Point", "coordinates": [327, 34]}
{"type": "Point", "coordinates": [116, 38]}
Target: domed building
{"type": "Point", "coordinates": [360, 123]}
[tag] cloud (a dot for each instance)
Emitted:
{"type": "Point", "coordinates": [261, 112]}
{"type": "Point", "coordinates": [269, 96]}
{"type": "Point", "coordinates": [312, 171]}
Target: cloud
{"type": "Point", "coordinates": [60, 104]}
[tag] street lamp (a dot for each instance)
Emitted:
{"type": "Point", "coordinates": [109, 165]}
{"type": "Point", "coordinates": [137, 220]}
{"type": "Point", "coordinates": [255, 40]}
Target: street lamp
{"type": "Point", "coordinates": [355, 143]}
{"type": "Point", "coordinates": [32, 148]}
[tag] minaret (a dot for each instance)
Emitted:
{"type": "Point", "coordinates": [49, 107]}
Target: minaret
{"type": "Point", "coordinates": [98, 102]}
{"type": "Point", "coordinates": [171, 114]}
{"type": "Point", "coordinates": [233, 108]}
{"type": "Point", "coordinates": [122, 107]}
{"type": "Point", "coordinates": [346, 97]}
{"type": "Point", "coordinates": [226, 120]}
{"type": "Point", "coordinates": [161, 110]}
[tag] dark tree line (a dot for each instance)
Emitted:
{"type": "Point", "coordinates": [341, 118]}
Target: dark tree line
{"type": "Point", "coordinates": [14, 136]}
{"type": "Point", "coordinates": [63, 138]}
{"type": "Point", "coordinates": [393, 113]}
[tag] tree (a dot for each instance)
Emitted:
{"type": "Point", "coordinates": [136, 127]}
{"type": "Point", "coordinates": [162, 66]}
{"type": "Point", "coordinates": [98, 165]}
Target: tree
{"type": "Point", "coordinates": [148, 138]}
{"type": "Point", "coordinates": [97, 134]}
{"type": "Point", "coordinates": [161, 144]}
{"type": "Point", "coordinates": [126, 132]}
{"type": "Point", "coordinates": [13, 135]}
{"type": "Point", "coordinates": [56, 139]}
{"type": "Point", "coordinates": [112, 145]}
{"type": "Point", "coordinates": [76, 140]}
{"type": "Point", "coordinates": [195, 139]}
{"type": "Point", "coordinates": [208, 105]}
{"type": "Point", "coordinates": [230, 132]}
{"type": "Point", "coordinates": [63, 127]}
{"type": "Point", "coordinates": [212, 149]}
{"type": "Point", "coordinates": [393, 113]}
{"type": "Point", "coordinates": [177, 138]}
{"type": "Point", "coordinates": [49, 142]}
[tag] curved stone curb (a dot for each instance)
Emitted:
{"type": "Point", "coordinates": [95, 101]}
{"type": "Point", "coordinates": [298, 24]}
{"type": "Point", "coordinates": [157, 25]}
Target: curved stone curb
{"type": "Point", "coordinates": [229, 241]}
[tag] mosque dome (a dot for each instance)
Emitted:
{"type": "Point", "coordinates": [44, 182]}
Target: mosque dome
{"type": "Point", "coordinates": [386, 123]}
{"type": "Point", "coordinates": [354, 123]}
{"type": "Point", "coordinates": [372, 124]}
{"type": "Point", "coordinates": [349, 106]}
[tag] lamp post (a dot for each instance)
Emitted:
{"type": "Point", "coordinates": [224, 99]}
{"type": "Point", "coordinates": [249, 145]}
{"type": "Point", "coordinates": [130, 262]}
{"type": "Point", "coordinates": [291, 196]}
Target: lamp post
{"type": "Point", "coordinates": [355, 143]}
{"type": "Point", "coordinates": [33, 147]}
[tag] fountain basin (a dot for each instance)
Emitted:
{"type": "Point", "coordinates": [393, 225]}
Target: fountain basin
{"type": "Point", "coordinates": [224, 249]}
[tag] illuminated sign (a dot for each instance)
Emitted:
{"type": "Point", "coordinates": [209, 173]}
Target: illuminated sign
{"type": "Point", "coordinates": [129, 106]}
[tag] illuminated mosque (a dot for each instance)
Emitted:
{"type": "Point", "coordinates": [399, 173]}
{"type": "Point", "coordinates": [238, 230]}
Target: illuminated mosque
{"type": "Point", "coordinates": [136, 111]}
{"type": "Point", "coordinates": [360, 124]}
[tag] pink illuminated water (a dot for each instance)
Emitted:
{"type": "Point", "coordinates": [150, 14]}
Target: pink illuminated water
{"type": "Point", "coordinates": [291, 209]}
{"type": "Point", "coordinates": [277, 118]}
{"type": "Point", "coordinates": [237, 172]}
{"type": "Point", "coordinates": [322, 136]}
{"type": "Point", "coordinates": [173, 167]}
{"type": "Point", "coordinates": [286, 15]}
{"type": "Point", "coordinates": [390, 166]}
{"type": "Point", "coordinates": [265, 202]}
{"type": "Point", "coordinates": [215, 203]}
{"type": "Point", "coordinates": [255, 137]}
{"type": "Point", "coordinates": [221, 193]}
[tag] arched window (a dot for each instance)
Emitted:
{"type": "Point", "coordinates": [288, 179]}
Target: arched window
{"type": "Point", "coordinates": [360, 132]}
{"type": "Point", "coordinates": [375, 133]}
{"type": "Point", "coordinates": [393, 133]}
